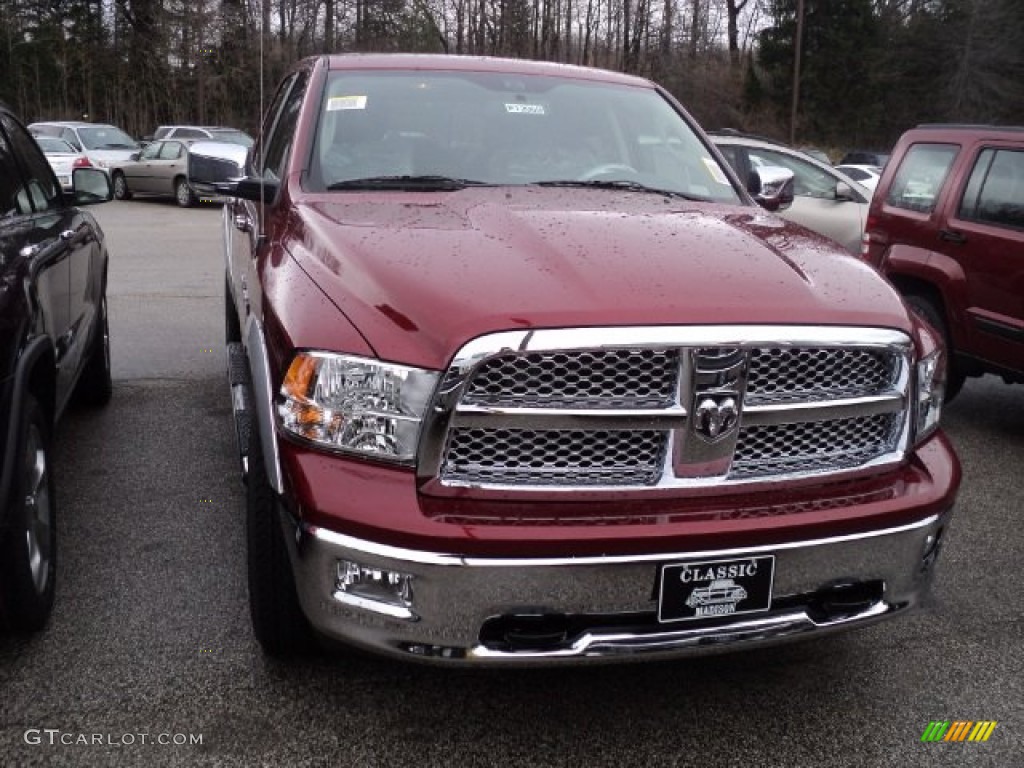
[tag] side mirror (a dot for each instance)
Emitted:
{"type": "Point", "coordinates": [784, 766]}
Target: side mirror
{"type": "Point", "coordinates": [215, 168]}
{"type": "Point", "coordinates": [134, 155]}
{"type": "Point", "coordinates": [844, 191]}
{"type": "Point", "coordinates": [218, 168]}
{"type": "Point", "coordinates": [772, 187]}
{"type": "Point", "coordinates": [91, 186]}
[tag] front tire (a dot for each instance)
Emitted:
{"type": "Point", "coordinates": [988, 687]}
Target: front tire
{"type": "Point", "coordinates": [121, 191]}
{"type": "Point", "coordinates": [926, 308]}
{"type": "Point", "coordinates": [183, 193]}
{"type": "Point", "coordinates": [278, 622]}
{"type": "Point", "coordinates": [28, 553]}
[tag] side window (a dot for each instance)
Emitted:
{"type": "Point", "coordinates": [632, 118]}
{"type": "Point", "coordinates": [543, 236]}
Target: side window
{"type": "Point", "coordinates": [921, 175]}
{"type": "Point", "coordinates": [995, 191]}
{"type": "Point", "coordinates": [260, 149]}
{"type": "Point", "coordinates": [189, 133]}
{"type": "Point", "coordinates": [808, 180]}
{"type": "Point", "coordinates": [13, 200]}
{"type": "Point", "coordinates": [152, 151]}
{"type": "Point", "coordinates": [171, 150]}
{"type": "Point", "coordinates": [732, 156]}
{"type": "Point", "coordinates": [40, 182]}
{"type": "Point", "coordinates": [279, 141]}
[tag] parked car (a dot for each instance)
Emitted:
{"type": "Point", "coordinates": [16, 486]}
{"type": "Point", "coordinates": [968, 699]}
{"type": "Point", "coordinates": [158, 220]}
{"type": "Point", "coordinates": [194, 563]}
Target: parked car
{"type": "Point", "coordinates": [63, 158]}
{"type": "Point", "coordinates": [516, 360]}
{"type": "Point", "coordinates": [104, 145]}
{"type": "Point", "coordinates": [865, 175]}
{"type": "Point", "coordinates": [865, 157]}
{"type": "Point", "coordinates": [947, 227]}
{"type": "Point", "coordinates": [54, 342]}
{"type": "Point", "coordinates": [160, 168]}
{"type": "Point", "coordinates": [211, 132]}
{"type": "Point", "coordinates": [826, 200]}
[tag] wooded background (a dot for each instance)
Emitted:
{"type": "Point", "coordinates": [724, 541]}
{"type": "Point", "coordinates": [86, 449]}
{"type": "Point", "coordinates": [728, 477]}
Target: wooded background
{"type": "Point", "coordinates": [869, 68]}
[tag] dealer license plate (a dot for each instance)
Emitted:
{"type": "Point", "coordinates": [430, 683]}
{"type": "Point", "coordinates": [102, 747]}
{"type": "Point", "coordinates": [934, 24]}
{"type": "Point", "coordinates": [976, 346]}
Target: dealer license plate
{"type": "Point", "coordinates": [706, 589]}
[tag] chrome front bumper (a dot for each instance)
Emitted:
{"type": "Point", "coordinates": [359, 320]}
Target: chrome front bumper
{"type": "Point", "coordinates": [607, 605]}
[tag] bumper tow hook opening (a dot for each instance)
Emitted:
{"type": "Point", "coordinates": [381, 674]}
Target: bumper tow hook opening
{"type": "Point", "coordinates": [845, 599]}
{"type": "Point", "coordinates": [527, 632]}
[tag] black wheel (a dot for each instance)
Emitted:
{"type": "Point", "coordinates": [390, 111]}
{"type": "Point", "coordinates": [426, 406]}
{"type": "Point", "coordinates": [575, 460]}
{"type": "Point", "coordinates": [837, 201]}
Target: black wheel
{"type": "Point", "coordinates": [278, 622]}
{"type": "Point", "coordinates": [926, 308]}
{"type": "Point", "coordinates": [95, 386]}
{"type": "Point", "coordinates": [183, 193]}
{"type": "Point", "coordinates": [121, 191]}
{"type": "Point", "coordinates": [232, 326]}
{"type": "Point", "coordinates": [28, 553]}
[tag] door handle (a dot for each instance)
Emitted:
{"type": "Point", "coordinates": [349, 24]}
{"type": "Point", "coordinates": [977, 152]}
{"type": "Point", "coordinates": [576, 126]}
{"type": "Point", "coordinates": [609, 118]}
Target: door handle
{"type": "Point", "coordinates": [952, 236]}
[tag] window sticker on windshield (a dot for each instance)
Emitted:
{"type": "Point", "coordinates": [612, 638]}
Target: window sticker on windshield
{"type": "Point", "coordinates": [525, 109]}
{"type": "Point", "coordinates": [715, 170]}
{"type": "Point", "coordinates": [336, 103]}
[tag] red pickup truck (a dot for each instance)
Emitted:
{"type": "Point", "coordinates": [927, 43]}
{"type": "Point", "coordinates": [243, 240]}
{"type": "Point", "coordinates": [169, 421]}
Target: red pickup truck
{"type": "Point", "coordinates": [518, 365]}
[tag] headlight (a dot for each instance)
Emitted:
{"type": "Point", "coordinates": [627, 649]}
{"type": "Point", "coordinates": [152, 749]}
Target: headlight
{"type": "Point", "coordinates": [354, 404]}
{"type": "Point", "coordinates": [931, 391]}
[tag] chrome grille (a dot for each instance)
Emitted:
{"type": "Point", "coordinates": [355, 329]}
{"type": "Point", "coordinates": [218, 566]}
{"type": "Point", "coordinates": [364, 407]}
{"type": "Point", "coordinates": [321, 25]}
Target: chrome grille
{"type": "Point", "coordinates": [597, 378]}
{"type": "Point", "coordinates": [626, 408]}
{"type": "Point", "coordinates": [555, 457]}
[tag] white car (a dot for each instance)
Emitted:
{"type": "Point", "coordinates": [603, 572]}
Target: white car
{"type": "Point", "coordinates": [63, 158]}
{"type": "Point", "coordinates": [867, 175]}
{"type": "Point", "coordinates": [104, 145]}
{"type": "Point", "coordinates": [825, 200]}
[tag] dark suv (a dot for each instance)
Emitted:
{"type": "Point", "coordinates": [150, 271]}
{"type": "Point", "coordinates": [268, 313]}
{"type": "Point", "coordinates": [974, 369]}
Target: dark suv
{"type": "Point", "coordinates": [53, 343]}
{"type": "Point", "coordinates": [946, 226]}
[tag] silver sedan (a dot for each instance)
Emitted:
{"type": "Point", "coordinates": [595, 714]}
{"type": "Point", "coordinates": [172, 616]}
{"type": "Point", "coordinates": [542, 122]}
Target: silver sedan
{"type": "Point", "coordinates": [159, 169]}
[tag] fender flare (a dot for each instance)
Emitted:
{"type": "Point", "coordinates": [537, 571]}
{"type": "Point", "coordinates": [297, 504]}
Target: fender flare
{"type": "Point", "coordinates": [263, 399]}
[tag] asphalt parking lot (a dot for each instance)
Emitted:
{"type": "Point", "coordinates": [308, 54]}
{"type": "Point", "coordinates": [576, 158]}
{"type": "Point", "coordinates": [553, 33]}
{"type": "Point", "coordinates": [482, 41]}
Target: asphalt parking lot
{"type": "Point", "coordinates": [151, 639]}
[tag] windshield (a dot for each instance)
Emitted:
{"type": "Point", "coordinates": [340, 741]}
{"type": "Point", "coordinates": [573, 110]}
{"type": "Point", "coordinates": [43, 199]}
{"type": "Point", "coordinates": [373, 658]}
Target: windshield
{"type": "Point", "coordinates": [507, 129]}
{"type": "Point", "coordinates": [106, 137]}
{"type": "Point", "coordinates": [232, 137]}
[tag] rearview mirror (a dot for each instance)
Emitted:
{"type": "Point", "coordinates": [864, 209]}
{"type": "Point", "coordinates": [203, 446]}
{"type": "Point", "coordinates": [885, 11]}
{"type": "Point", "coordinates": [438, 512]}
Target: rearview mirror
{"type": "Point", "coordinates": [772, 187]}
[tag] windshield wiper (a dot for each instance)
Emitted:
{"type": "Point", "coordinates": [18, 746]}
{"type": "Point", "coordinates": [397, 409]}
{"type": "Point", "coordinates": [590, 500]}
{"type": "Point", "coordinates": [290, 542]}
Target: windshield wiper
{"type": "Point", "coordinates": [631, 186]}
{"type": "Point", "coordinates": [116, 145]}
{"type": "Point", "coordinates": [407, 183]}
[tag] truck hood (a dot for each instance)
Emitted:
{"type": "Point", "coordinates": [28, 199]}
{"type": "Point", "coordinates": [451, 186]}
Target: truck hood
{"type": "Point", "coordinates": [419, 274]}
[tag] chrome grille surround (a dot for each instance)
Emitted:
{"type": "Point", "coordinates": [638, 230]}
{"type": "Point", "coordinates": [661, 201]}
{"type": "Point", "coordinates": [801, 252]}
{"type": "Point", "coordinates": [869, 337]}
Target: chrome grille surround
{"type": "Point", "coordinates": [699, 407]}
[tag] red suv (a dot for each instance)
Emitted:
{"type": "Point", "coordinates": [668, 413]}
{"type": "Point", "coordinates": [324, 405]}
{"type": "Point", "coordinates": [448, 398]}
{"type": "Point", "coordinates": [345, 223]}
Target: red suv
{"type": "Point", "coordinates": [946, 226]}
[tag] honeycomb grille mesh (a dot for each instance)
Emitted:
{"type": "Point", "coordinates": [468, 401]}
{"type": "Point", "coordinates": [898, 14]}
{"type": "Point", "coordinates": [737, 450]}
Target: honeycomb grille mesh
{"type": "Point", "coordinates": [790, 374]}
{"type": "Point", "coordinates": [556, 457]}
{"type": "Point", "coordinates": [837, 443]}
{"type": "Point", "coordinates": [610, 378]}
